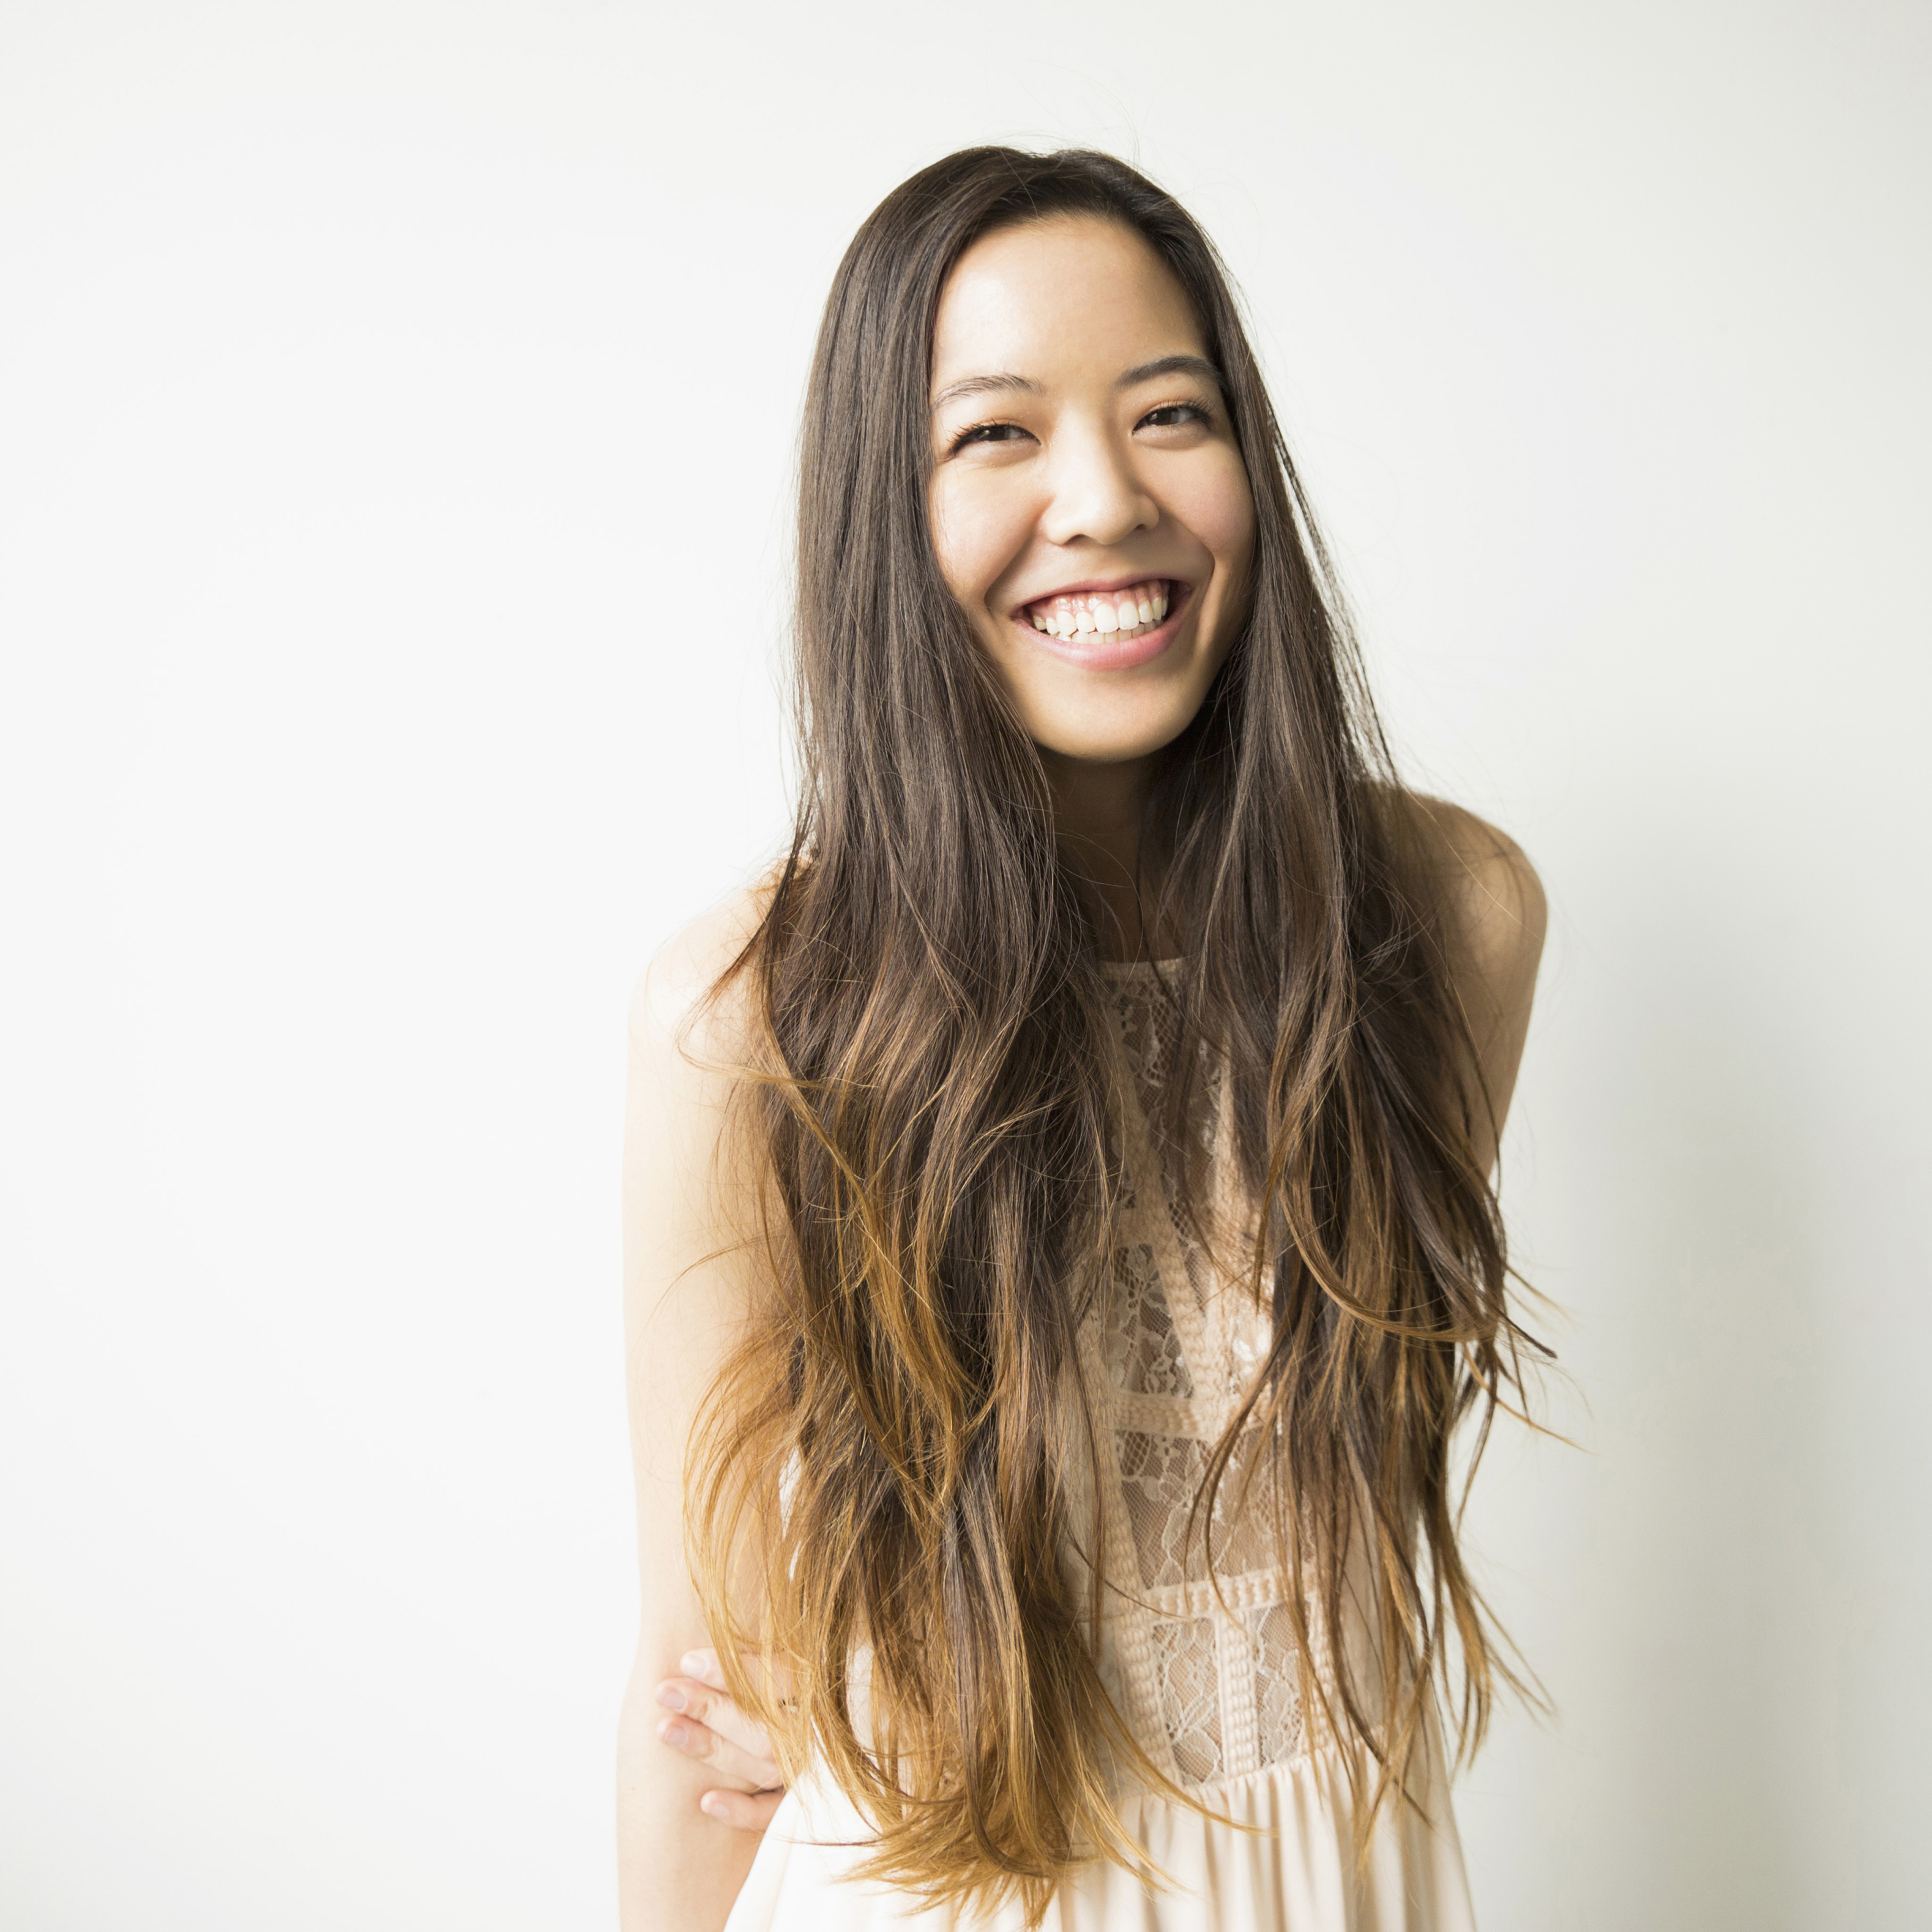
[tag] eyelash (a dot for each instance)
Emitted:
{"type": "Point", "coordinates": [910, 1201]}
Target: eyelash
{"type": "Point", "coordinates": [978, 433]}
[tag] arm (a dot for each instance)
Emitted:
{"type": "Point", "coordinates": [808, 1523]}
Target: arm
{"type": "Point", "coordinates": [715, 1732]}
{"type": "Point", "coordinates": [685, 1186]}
{"type": "Point", "coordinates": [1496, 917]}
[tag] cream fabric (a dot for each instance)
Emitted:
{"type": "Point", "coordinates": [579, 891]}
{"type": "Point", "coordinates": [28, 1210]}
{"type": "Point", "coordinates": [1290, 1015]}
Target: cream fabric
{"type": "Point", "coordinates": [1207, 1682]}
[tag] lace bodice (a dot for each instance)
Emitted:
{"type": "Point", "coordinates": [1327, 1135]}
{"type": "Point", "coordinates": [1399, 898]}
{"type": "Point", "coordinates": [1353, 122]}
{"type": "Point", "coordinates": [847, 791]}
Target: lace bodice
{"type": "Point", "coordinates": [1210, 1691]}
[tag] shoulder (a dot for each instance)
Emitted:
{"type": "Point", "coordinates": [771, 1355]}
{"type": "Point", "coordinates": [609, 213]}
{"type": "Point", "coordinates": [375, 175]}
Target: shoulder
{"type": "Point", "coordinates": [1493, 900]}
{"type": "Point", "coordinates": [682, 1007]}
{"type": "Point", "coordinates": [691, 1164]}
{"type": "Point", "coordinates": [1488, 904]}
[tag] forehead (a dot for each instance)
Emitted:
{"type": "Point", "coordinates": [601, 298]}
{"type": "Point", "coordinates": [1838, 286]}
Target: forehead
{"type": "Point", "coordinates": [1069, 298]}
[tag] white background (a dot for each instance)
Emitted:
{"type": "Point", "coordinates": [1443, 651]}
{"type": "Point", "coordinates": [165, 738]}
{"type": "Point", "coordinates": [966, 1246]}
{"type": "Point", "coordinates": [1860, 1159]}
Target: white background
{"type": "Point", "coordinates": [396, 408]}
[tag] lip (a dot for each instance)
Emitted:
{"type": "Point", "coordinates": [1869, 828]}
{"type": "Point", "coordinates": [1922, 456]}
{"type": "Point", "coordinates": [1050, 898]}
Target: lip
{"type": "Point", "coordinates": [1099, 586]}
{"type": "Point", "coordinates": [1098, 655]}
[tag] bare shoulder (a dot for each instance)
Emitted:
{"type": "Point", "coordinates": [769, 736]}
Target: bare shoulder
{"type": "Point", "coordinates": [679, 1011]}
{"type": "Point", "coordinates": [1493, 916]}
{"type": "Point", "coordinates": [691, 1194]}
{"type": "Point", "coordinates": [1490, 890]}
{"type": "Point", "coordinates": [691, 1167]}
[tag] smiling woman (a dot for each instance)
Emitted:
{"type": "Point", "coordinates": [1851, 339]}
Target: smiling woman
{"type": "Point", "coordinates": [1103, 435]}
{"type": "Point", "coordinates": [1060, 1242]}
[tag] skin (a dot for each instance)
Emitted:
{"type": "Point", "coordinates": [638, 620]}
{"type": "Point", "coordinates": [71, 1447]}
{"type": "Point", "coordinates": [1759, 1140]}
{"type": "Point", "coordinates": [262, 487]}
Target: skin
{"type": "Point", "coordinates": [689, 1287]}
{"type": "Point", "coordinates": [1059, 459]}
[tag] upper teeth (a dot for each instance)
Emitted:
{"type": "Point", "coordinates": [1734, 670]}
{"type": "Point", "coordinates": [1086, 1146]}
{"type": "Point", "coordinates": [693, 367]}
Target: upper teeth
{"type": "Point", "coordinates": [1139, 607]}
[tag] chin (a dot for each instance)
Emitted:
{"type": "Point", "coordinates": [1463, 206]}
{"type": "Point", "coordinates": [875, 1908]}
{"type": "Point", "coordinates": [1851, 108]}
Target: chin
{"type": "Point", "coordinates": [1111, 748]}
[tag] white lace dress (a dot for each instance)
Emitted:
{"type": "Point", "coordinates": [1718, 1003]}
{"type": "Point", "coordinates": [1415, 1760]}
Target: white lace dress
{"type": "Point", "coordinates": [1209, 1691]}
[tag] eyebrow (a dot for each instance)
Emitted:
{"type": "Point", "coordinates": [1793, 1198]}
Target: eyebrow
{"type": "Point", "coordinates": [1144, 372]}
{"type": "Point", "coordinates": [983, 385]}
{"type": "Point", "coordinates": [1172, 365]}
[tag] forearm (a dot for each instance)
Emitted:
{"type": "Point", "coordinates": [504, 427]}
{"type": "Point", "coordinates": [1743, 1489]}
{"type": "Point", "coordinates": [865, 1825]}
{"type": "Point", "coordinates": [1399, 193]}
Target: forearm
{"type": "Point", "coordinates": [678, 1870]}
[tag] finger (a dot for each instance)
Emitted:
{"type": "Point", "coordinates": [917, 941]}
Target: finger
{"type": "Point", "coordinates": [703, 1744]}
{"type": "Point", "coordinates": [704, 1665]}
{"type": "Point", "coordinates": [744, 1810]}
{"type": "Point", "coordinates": [691, 1699]}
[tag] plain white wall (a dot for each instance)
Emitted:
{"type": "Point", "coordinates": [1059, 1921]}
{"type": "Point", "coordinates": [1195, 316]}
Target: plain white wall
{"type": "Point", "coordinates": [396, 405]}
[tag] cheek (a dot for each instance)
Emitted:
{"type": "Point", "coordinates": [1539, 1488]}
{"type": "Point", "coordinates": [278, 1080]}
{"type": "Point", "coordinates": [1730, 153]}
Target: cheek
{"type": "Point", "coordinates": [1220, 510]}
{"type": "Point", "coordinates": [977, 530]}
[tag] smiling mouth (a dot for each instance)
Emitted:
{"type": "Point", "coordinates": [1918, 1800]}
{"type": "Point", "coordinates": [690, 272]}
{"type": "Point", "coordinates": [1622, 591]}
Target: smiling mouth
{"type": "Point", "coordinates": [1118, 616]}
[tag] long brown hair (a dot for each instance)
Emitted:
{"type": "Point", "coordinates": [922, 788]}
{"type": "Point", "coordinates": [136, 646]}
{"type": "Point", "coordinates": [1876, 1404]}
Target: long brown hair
{"type": "Point", "coordinates": [888, 1463]}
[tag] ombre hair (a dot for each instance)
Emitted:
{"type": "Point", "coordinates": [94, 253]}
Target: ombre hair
{"type": "Point", "coordinates": [888, 1463]}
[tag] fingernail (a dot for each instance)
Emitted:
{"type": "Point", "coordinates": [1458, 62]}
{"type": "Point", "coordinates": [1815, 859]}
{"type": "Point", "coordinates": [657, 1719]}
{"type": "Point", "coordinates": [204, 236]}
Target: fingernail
{"type": "Point", "coordinates": [674, 1734]}
{"type": "Point", "coordinates": [671, 1697]}
{"type": "Point", "coordinates": [712, 1808]}
{"type": "Point", "coordinates": [692, 1664]}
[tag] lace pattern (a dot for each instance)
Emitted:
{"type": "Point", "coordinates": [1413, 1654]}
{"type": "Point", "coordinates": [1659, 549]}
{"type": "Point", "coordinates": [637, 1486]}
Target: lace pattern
{"type": "Point", "coordinates": [1210, 1686]}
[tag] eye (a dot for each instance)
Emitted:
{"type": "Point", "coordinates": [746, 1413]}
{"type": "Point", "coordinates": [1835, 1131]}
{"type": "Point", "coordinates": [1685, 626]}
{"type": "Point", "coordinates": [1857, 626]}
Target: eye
{"type": "Point", "coordinates": [986, 433]}
{"type": "Point", "coordinates": [1174, 416]}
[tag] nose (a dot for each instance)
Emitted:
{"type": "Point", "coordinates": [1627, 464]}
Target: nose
{"type": "Point", "coordinates": [1098, 493]}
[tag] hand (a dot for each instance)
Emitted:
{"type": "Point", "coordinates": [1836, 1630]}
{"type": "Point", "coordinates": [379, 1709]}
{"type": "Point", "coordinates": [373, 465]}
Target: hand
{"type": "Point", "coordinates": [710, 1727]}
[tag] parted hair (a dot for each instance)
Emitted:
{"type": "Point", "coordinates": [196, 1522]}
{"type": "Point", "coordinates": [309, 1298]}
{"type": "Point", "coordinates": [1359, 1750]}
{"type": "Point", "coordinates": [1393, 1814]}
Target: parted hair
{"type": "Point", "coordinates": [881, 1488]}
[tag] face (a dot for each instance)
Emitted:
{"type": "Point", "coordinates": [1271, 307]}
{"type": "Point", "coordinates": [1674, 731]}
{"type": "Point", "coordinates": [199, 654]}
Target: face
{"type": "Point", "coordinates": [1090, 509]}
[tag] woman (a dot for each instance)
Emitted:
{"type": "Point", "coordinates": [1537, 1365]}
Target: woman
{"type": "Point", "coordinates": [1060, 1238]}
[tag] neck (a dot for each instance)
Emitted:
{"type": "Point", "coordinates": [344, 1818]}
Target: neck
{"type": "Point", "coordinates": [1097, 815]}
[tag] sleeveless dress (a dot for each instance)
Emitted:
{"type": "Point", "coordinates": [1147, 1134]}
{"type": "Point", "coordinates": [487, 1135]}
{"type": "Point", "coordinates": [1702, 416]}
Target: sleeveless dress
{"type": "Point", "coordinates": [1210, 1692]}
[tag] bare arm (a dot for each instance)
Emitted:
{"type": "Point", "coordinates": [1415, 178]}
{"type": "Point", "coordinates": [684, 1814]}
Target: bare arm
{"type": "Point", "coordinates": [714, 1732]}
{"type": "Point", "coordinates": [685, 1185]}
